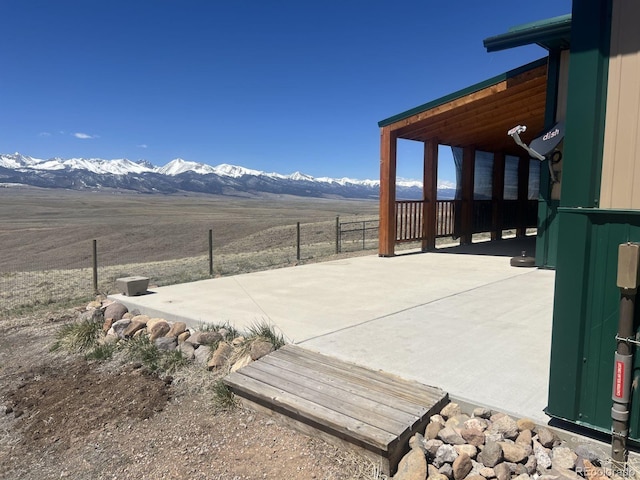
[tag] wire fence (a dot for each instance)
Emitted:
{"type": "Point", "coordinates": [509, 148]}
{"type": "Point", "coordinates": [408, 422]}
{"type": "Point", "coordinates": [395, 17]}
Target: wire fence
{"type": "Point", "coordinates": [39, 279]}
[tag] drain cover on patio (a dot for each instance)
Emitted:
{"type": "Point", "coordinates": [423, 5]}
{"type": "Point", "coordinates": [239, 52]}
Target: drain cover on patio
{"type": "Point", "coordinates": [343, 403]}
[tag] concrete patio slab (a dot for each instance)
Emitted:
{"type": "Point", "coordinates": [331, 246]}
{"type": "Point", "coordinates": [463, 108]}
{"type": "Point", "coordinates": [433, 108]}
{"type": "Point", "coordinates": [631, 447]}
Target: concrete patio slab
{"type": "Point", "coordinates": [468, 323]}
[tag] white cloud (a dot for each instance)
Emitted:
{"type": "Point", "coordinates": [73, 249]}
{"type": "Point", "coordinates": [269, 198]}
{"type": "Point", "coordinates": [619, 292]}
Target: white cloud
{"type": "Point", "coordinates": [44, 134]}
{"type": "Point", "coordinates": [142, 145]}
{"type": "Point", "coordinates": [84, 136]}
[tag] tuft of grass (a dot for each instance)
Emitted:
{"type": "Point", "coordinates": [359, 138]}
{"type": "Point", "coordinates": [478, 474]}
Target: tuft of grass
{"type": "Point", "coordinates": [232, 332]}
{"type": "Point", "coordinates": [223, 398]}
{"type": "Point", "coordinates": [264, 331]}
{"type": "Point", "coordinates": [172, 361]}
{"type": "Point", "coordinates": [143, 350]}
{"type": "Point", "coordinates": [78, 337]}
{"type": "Point", "coordinates": [102, 352]}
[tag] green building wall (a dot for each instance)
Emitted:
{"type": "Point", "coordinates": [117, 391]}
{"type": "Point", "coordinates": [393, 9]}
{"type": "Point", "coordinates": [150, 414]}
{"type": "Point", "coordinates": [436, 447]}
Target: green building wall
{"type": "Point", "coordinates": [586, 305]}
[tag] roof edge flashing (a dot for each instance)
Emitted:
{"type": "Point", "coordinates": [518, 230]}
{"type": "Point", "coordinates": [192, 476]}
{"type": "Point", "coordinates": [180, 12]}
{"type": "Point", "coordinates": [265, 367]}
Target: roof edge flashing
{"type": "Point", "coordinates": [548, 34]}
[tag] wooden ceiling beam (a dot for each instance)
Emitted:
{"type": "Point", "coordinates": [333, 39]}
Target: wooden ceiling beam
{"type": "Point", "coordinates": [524, 82]}
{"type": "Point", "coordinates": [523, 101]}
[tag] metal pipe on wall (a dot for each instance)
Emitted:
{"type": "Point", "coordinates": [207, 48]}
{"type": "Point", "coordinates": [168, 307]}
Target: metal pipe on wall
{"type": "Point", "coordinates": [627, 281]}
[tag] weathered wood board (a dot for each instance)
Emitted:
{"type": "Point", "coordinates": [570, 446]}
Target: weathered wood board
{"type": "Point", "coordinates": [374, 411]}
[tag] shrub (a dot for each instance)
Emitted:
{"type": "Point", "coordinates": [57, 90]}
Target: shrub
{"type": "Point", "coordinates": [78, 337]}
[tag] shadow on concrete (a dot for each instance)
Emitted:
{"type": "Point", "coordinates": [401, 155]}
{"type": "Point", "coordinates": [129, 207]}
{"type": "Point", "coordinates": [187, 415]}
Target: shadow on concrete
{"type": "Point", "coordinates": [510, 247]}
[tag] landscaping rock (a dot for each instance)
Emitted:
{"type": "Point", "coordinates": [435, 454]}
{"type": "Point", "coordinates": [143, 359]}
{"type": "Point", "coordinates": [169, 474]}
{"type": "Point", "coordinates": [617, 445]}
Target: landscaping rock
{"type": "Point", "coordinates": [133, 327]}
{"type": "Point", "coordinates": [260, 348]}
{"type": "Point", "coordinates": [205, 338]}
{"type": "Point", "coordinates": [450, 436]}
{"type": "Point", "coordinates": [115, 311]}
{"type": "Point", "coordinates": [525, 424]}
{"type": "Point", "coordinates": [546, 437]}
{"type": "Point", "coordinates": [467, 449]}
{"type": "Point", "coordinates": [176, 329]}
{"type": "Point", "coordinates": [476, 423]}
{"type": "Point", "coordinates": [513, 452]}
{"type": "Point", "coordinates": [504, 426]}
{"type": "Point", "coordinates": [432, 447]}
{"type": "Point", "coordinates": [220, 356]}
{"type": "Point", "coordinates": [482, 412]}
{"type": "Point", "coordinates": [188, 351]}
{"type": "Point", "coordinates": [587, 452]}
{"type": "Point", "coordinates": [432, 430]}
{"type": "Point", "coordinates": [418, 441]}
{"type": "Point", "coordinates": [473, 436]}
{"type": "Point", "coordinates": [151, 322]}
{"type": "Point", "coordinates": [491, 455]}
{"type": "Point", "coordinates": [487, 472]}
{"type": "Point", "coordinates": [450, 410]}
{"type": "Point", "coordinates": [445, 454]}
{"type": "Point", "coordinates": [542, 456]}
{"type": "Point", "coordinates": [202, 354]}
{"type": "Point", "coordinates": [166, 344]}
{"type": "Point", "coordinates": [184, 336]}
{"type": "Point", "coordinates": [563, 458]}
{"type": "Point", "coordinates": [502, 471]}
{"type": "Point", "coordinates": [119, 327]}
{"type": "Point", "coordinates": [524, 438]}
{"type": "Point", "coordinates": [446, 470]}
{"type": "Point", "coordinates": [141, 318]}
{"type": "Point", "coordinates": [108, 322]}
{"type": "Point", "coordinates": [461, 466]}
{"type": "Point", "coordinates": [241, 362]}
{"type": "Point", "coordinates": [413, 466]}
{"type": "Point", "coordinates": [158, 330]}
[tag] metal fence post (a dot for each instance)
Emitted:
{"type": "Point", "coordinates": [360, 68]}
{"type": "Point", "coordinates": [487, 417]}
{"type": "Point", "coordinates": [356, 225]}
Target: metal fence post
{"type": "Point", "coordinates": [95, 267]}
{"type": "Point", "coordinates": [363, 234]}
{"type": "Point", "coordinates": [210, 252]}
{"type": "Point", "coordinates": [337, 234]}
{"type": "Point", "coordinates": [298, 241]}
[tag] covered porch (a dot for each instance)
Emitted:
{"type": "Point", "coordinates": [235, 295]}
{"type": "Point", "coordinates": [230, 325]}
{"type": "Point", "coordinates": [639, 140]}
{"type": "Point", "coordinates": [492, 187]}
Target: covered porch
{"type": "Point", "coordinates": [497, 183]}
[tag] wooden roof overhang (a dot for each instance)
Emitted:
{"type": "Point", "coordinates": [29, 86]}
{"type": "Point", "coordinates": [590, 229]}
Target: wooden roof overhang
{"type": "Point", "coordinates": [481, 115]}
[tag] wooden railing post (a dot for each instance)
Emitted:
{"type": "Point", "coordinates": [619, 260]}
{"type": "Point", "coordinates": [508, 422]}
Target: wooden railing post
{"type": "Point", "coordinates": [497, 196]}
{"type": "Point", "coordinates": [430, 195]}
{"type": "Point", "coordinates": [388, 151]}
{"type": "Point", "coordinates": [523, 194]}
{"type": "Point", "coordinates": [466, 217]}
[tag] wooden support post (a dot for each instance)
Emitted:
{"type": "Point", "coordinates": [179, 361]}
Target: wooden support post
{"type": "Point", "coordinates": [497, 196]}
{"type": "Point", "coordinates": [388, 152]}
{"type": "Point", "coordinates": [430, 194]}
{"type": "Point", "coordinates": [95, 267]}
{"type": "Point", "coordinates": [523, 194]}
{"type": "Point", "coordinates": [468, 167]}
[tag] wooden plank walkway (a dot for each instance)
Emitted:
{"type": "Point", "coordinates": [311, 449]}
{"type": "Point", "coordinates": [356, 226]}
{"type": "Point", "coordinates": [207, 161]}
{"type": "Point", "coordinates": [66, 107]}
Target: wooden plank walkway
{"type": "Point", "coordinates": [345, 404]}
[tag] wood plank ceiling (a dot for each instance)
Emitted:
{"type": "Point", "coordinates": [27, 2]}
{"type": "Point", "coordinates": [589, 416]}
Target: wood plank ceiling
{"type": "Point", "coordinates": [481, 119]}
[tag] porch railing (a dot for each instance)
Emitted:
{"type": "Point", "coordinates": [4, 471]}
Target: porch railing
{"type": "Point", "coordinates": [410, 225]}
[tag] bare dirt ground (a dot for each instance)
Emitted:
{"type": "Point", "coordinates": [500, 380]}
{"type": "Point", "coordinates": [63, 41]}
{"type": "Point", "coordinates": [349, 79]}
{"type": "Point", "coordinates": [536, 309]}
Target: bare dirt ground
{"type": "Point", "coordinates": [64, 417]}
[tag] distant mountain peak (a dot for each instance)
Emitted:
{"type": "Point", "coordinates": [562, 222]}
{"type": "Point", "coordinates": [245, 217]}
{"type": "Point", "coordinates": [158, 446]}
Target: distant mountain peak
{"type": "Point", "coordinates": [183, 175]}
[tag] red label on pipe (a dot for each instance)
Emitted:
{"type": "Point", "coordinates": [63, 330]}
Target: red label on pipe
{"type": "Point", "coordinates": [619, 381]}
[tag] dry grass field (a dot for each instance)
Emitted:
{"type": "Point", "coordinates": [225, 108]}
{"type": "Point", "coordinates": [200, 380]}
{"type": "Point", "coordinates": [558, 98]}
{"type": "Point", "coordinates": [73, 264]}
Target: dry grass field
{"type": "Point", "coordinates": [47, 237]}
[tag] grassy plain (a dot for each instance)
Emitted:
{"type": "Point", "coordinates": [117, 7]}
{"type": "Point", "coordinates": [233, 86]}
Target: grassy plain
{"type": "Point", "coordinates": [46, 237]}
{"type": "Point", "coordinates": [42, 227]}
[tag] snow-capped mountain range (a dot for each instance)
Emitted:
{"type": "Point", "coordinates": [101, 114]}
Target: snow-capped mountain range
{"type": "Point", "coordinates": [186, 176]}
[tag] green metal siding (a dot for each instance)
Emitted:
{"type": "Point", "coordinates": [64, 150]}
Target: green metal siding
{"type": "Point", "coordinates": [586, 316]}
{"type": "Point", "coordinates": [586, 297]}
{"type": "Point", "coordinates": [586, 102]}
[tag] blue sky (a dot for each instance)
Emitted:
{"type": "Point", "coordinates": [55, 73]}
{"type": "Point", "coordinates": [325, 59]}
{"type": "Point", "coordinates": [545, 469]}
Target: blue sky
{"type": "Point", "coordinates": [275, 85]}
